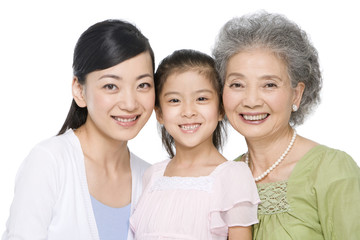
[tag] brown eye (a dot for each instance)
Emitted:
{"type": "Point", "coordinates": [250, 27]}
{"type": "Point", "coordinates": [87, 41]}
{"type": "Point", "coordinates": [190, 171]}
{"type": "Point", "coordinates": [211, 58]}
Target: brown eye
{"type": "Point", "coordinates": [270, 85]}
{"type": "Point", "coordinates": [235, 85]}
{"type": "Point", "coordinates": [174, 100]}
{"type": "Point", "coordinates": [110, 87]}
{"type": "Point", "coordinates": [144, 85]}
{"type": "Point", "coordinates": [202, 99]}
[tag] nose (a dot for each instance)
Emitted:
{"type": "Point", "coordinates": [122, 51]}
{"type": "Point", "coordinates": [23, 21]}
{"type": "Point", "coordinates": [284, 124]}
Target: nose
{"type": "Point", "coordinates": [252, 97]}
{"type": "Point", "coordinates": [188, 110]}
{"type": "Point", "coordinates": [128, 100]}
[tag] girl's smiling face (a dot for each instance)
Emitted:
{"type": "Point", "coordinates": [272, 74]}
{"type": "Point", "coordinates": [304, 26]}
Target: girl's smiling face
{"type": "Point", "coordinates": [119, 99]}
{"type": "Point", "coordinates": [189, 108]}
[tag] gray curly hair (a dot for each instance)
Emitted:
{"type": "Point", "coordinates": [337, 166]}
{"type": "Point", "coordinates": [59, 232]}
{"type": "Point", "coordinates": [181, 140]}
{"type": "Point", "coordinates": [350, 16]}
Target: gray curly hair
{"type": "Point", "coordinates": [284, 38]}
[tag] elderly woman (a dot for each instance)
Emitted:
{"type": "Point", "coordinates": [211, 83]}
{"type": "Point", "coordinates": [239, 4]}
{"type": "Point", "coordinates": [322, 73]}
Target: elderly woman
{"type": "Point", "coordinates": [272, 81]}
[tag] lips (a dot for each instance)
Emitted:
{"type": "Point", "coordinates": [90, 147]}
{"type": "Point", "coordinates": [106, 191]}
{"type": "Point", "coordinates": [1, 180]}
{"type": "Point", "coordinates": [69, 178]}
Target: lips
{"type": "Point", "coordinates": [255, 117]}
{"type": "Point", "coordinates": [126, 121]}
{"type": "Point", "coordinates": [192, 127]}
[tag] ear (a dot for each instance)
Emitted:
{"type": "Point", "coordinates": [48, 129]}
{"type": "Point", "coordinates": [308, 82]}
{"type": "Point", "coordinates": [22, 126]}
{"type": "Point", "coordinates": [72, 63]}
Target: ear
{"type": "Point", "coordinates": [159, 115]}
{"type": "Point", "coordinates": [298, 93]}
{"type": "Point", "coordinates": [78, 93]}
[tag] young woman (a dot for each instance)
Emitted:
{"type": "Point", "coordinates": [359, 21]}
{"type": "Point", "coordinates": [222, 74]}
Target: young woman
{"type": "Point", "coordinates": [84, 183]}
{"type": "Point", "coordinates": [197, 194]}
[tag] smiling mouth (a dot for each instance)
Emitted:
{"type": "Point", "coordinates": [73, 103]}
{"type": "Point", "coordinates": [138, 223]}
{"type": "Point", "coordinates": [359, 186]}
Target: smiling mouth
{"type": "Point", "coordinates": [258, 117]}
{"type": "Point", "coordinates": [125, 120]}
{"type": "Point", "coordinates": [189, 127]}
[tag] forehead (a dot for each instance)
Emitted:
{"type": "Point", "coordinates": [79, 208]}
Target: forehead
{"type": "Point", "coordinates": [256, 61]}
{"type": "Point", "coordinates": [130, 68]}
{"type": "Point", "coordinates": [187, 81]}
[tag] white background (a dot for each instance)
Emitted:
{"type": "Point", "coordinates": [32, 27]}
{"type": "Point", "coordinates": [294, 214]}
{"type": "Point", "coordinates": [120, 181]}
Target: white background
{"type": "Point", "coordinates": [37, 39]}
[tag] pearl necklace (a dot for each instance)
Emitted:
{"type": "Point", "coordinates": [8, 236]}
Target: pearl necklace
{"type": "Point", "coordinates": [276, 163]}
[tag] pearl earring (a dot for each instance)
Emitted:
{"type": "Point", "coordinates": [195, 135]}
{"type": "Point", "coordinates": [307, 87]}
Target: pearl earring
{"type": "Point", "coordinates": [294, 108]}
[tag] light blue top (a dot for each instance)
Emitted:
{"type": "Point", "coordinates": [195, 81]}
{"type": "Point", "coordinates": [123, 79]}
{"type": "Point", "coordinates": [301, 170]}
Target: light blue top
{"type": "Point", "coordinates": [112, 223]}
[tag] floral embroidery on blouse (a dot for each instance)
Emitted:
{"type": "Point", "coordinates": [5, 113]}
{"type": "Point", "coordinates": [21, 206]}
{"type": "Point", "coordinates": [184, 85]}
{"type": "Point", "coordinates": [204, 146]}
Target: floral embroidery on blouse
{"type": "Point", "coordinates": [273, 198]}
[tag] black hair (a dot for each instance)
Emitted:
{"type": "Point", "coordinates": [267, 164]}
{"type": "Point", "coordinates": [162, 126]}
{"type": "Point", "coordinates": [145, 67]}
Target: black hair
{"type": "Point", "coordinates": [103, 45]}
{"type": "Point", "coordinates": [182, 61]}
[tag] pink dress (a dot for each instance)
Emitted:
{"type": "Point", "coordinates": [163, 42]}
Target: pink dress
{"type": "Point", "coordinates": [196, 208]}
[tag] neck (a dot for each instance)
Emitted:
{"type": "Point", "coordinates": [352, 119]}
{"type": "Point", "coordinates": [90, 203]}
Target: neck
{"type": "Point", "coordinates": [205, 153]}
{"type": "Point", "coordinates": [103, 151]}
{"type": "Point", "coordinates": [263, 153]}
{"type": "Point", "coordinates": [194, 161]}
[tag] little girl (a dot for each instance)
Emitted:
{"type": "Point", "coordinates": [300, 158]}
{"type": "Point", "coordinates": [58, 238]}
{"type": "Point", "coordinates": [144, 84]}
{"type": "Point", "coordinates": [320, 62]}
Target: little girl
{"type": "Point", "coordinates": [197, 194]}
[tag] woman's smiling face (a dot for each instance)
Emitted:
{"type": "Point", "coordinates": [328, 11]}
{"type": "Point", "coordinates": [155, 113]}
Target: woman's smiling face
{"type": "Point", "coordinates": [258, 96]}
{"type": "Point", "coordinates": [119, 99]}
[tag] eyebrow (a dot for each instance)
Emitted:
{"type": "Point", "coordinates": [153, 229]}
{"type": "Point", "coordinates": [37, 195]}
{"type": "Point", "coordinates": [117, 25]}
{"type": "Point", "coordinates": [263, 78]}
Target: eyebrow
{"type": "Point", "coordinates": [144, 76]}
{"type": "Point", "coordinates": [204, 91]}
{"type": "Point", "coordinates": [198, 91]}
{"type": "Point", "coordinates": [264, 77]}
{"type": "Point", "coordinates": [234, 75]}
{"type": "Point", "coordinates": [116, 77]}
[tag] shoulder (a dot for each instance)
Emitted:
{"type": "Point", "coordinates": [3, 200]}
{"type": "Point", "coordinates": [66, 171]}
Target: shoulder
{"type": "Point", "coordinates": [156, 170]}
{"type": "Point", "coordinates": [49, 158]}
{"type": "Point", "coordinates": [54, 149]}
{"type": "Point", "coordinates": [326, 156]}
{"type": "Point", "coordinates": [233, 168]}
{"type": "Point", "coordinates": [60, 144]}
{"type": "Point", "coordinates": [137, 163]}
{"type": "Point", "coordinates": [235, 174]}
{"type": "Point", "coordinates": [333, 163]}
{"type": "Point", "coordinates": [235, 181]}
{"type": "Point", "coordinates": [157, 167]}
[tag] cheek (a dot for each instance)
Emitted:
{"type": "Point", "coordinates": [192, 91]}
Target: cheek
{"type": "Point", "coordinates": [99, 102]}
{"type": "Point", "coordinates": [230, 101]}
{"type": "Point", "coordinates": [170, 115]}
{"type": "Point", "coordinates": [147, 101]}
{"type": "Point", "coordinates": [214, 112]}
{"type": "Point", "coordinates": [280, 102]}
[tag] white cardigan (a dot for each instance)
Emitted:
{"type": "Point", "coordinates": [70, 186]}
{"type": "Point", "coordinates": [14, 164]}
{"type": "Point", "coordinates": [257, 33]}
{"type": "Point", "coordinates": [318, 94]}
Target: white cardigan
{"type": "Point", "coordinates": [52, 200]}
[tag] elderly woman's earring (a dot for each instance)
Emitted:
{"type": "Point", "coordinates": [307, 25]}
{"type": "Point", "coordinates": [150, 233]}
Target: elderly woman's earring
{"type": "Point", "coordinates": [294, 108]}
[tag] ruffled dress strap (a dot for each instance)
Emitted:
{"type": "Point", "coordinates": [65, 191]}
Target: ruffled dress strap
{"type": "Point", "coordinates": [151, 174]}
{"type": "Point", "coordinates": [234, 198]}
{"type": "Point", "coordinates": [154, 172]}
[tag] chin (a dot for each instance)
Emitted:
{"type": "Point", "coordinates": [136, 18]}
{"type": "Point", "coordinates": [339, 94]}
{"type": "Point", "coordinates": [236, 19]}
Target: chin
{"type": "Point", "coordinates": [124, 136]}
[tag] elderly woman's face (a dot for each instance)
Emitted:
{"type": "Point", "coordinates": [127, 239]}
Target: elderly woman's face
{"type": "Point", "coordinates": [258, 96]}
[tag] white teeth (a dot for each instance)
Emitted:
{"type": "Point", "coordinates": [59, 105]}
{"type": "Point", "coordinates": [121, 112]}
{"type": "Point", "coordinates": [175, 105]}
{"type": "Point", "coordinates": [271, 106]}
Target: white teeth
{"type": "Point", "coordinates": [189, 127]}
{"type": "Point", "coordinates": [125, 119]}
{"type": "Point", "coordinates": [255, 117]}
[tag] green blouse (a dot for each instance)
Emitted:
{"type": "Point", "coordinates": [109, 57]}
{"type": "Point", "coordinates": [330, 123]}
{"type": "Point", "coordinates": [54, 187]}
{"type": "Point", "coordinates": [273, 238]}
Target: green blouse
{"type": "Point", "coordinates": [320, 200]}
